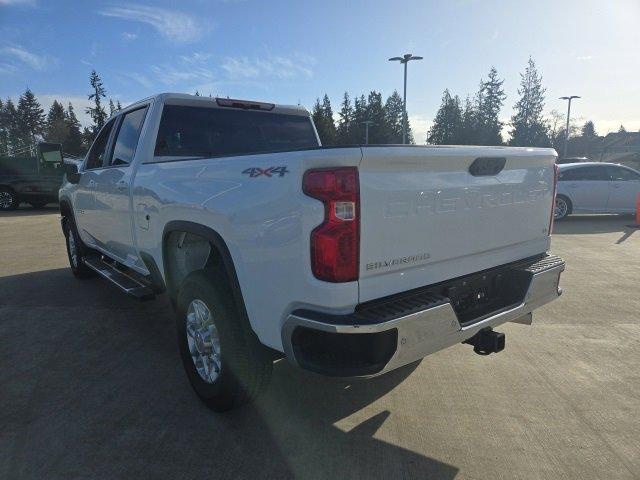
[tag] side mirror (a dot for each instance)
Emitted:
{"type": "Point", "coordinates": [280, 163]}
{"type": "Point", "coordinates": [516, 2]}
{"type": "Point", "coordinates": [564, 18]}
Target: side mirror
{"type": "Point", "coordinates": [71, 171]}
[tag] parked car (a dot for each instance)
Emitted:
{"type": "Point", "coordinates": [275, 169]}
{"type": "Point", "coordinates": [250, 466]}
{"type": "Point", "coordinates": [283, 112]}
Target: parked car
{"type": "Point", "coordinates": [349, 261]}
{"type": "Point", "coordinates": [34, 180]}
{"type": "Point", "coordinates": [595, 187]}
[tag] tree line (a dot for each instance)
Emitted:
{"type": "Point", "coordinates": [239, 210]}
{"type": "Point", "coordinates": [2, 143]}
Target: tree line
{"type": "Point", "coordinates": [23, 125]}
{"type": "Point", "coordinates": [476, 121]}
{"type": "Point", "coordinates": [384, 120]}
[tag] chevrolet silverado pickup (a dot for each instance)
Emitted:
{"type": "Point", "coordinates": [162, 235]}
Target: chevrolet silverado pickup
{"type": "Point", "coordinates": [349, 261]}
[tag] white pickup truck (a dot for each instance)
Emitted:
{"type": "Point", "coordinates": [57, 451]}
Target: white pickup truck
{"type": "Point", "coordinates": [349, 261]}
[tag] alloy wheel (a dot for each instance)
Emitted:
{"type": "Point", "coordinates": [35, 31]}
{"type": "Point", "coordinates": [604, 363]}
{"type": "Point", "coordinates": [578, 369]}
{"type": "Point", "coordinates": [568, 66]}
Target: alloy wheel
{"type": "Point", "coordinates": [73, 249]}
{"type": "Point", "coordinates": [6, 200]}
{"type": "Point", "coordinates": [561, 208]}
{"type": "Point", "coordinates": [204, 341]}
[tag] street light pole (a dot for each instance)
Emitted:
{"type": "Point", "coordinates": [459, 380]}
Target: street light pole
{"type": "Point", "coordinates": [405, 59]}
{"type": "Point", "coordinates": [404, 106]}
{"type": "Point", "coordinates": [566, 130]}
{"type": "Point", "coordinates": [366, 130]}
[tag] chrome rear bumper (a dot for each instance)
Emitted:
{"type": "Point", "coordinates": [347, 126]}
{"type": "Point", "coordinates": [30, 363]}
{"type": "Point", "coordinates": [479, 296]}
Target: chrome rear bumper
{"type": "Point", "coordinates": [435, 328]}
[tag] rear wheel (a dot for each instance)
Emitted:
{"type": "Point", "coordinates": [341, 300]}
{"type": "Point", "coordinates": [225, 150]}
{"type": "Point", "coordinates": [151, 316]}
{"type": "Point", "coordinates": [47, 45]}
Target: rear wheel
{"type": "Point", "coordinates": [225, 362]}
{"type": "Point", "coordinates": [75, 251]}
{"type": "Point", "coordinates": [562, 207]}
{"type": "Point", "coordinates": [8, 199]}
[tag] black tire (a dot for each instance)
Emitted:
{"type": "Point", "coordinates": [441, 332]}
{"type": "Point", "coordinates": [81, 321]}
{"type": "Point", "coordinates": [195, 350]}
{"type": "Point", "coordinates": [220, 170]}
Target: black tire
{"type": "Point", "coordinates": [246, 363]}
{"type": "Point", "coordinates": [566, 211]}
{"type": "Point", "coordinates": [78, 268]}
{"type": "Point", "coordinates": [8, 199]}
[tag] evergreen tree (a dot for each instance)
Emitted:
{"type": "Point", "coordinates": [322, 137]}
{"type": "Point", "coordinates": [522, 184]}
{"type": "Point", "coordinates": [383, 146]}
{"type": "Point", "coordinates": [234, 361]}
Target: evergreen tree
{"type": "Point", "coordinates": [31, 119]}
{"type": "Point", "coordinates": [447, 126]}
{"type": "Point", "coordinates": [345, 122]}
{"type": "Point", "coordinates": [360, 114]}
{"type": "Point", "coordinates": [97, 113]}
{"type": "Point", "coordinates": [394, 108]}
{"type": "Point", "coordinates": [112, 107]}
{"type": "Point", "coordinates": [57, 129]}
{"type": "Point", "coordinates": [585, 143]}
{"type": "Point", "coordinates": [622, 129]}
{"type": "Point", "coordinates": [490, 101]}
{"type": "Point", "coordinates": [324, 123]}
{"type": "Point", "coordinates": [375, 112]}
{"type": "Point", "coordinates": [74, 143]}
{"type": "Point", "coordinates": [330, 126]}
{"type": "Point", "coordinates": [529, 128]}
{"type": "Point", "coordinates": [119, 107]}
{"type": "Point", "coordinates": [469, 129]}
{"type": "Point", "coordinates": [318, 116]}
{"type": "Point", "coordinates": [10, 122]}
{"type": "Point", "coordinates": [589, 130]}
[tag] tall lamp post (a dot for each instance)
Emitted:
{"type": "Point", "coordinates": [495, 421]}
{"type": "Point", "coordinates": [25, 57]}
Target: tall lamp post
{"type": "Point", "coordinates": [566, 131]}
{"type": "Point", "coordinates": [367, 124]}
{"type": "Point", "coordinates": [405, 59]}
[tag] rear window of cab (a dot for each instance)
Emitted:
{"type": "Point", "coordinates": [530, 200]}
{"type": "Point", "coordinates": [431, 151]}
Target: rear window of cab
{"type": "Point", "coordinates": [189, 131]}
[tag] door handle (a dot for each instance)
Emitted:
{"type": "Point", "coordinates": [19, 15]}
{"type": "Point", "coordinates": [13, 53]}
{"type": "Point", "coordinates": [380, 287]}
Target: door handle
{"type": "Point", "coordinates": [91, 184]}
{"type": "Point", "coordinates": [573, 185]}
{"type": "Point", "coordinates": [615, 185]}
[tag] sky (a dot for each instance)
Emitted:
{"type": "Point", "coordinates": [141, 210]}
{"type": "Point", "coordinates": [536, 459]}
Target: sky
{"type": "Point", "coordinates": [295, 51]}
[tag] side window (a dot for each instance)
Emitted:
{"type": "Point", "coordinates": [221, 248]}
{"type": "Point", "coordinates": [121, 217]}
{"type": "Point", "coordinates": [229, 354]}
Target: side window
{"type": "Point", "coordinates": [99, 148]}
{"type": "Point", "coordinates": [570, 175]}
{"type": "Point", "coordinates": [591, 172]}
{"type": "Point", "coordinates": [128, 135]}
{"type": "Point", "coordinates": [622, 174]}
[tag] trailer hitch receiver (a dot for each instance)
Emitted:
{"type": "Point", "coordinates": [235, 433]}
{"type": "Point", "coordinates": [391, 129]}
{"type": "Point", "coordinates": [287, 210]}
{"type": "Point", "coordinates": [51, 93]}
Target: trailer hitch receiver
{"type": "Point", "coordinates": [486, 341]}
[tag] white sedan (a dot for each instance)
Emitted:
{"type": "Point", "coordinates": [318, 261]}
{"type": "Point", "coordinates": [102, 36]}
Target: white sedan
{"type": "Point", "coordinates": [595, 187]}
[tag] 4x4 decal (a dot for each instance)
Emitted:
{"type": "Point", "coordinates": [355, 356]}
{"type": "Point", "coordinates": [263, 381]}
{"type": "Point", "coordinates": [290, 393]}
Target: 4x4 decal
{"type": "Point", "coordinates": [254, 172]}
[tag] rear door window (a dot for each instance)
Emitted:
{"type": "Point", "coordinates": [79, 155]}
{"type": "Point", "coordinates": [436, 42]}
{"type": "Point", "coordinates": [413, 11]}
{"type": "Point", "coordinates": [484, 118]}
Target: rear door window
{"type": "Point", "coordinates": [128, 135]}
{"type": "Point", "coordinates": [591, 172]}
{"type": "Point", "coordinates": [201, 131]}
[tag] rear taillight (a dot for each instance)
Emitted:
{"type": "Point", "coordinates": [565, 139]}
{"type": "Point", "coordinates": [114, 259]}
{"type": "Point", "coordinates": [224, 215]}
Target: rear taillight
{"type": "Point", "coordinates": [556, 172]}
{"type": "Point", "coordinates": [335, 244]}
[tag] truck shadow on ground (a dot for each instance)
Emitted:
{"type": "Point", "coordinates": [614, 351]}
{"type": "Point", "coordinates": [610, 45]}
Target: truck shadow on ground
{"type": "Point", "coordinates": [589, 224]}
{"type": "Point", "coordinates": [92, 386]}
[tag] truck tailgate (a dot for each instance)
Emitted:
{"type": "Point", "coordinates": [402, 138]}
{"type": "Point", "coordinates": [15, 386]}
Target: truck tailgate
{"type": "Point", "coordinates": [425, 218]}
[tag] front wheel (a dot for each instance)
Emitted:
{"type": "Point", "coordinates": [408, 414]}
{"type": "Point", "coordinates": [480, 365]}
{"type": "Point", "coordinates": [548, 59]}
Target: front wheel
{"type": "Point", "coordinates": [8, 199]}
{"type": "Point", "coordinates": [75, 251]}
{"type": "Point", "coordinates": [562, 207]}
{"type": "Point", "coordinates": [225, 362]}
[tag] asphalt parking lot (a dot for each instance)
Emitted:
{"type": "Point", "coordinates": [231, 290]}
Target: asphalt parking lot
{"type": "Point", "coordinates": [91, 385]}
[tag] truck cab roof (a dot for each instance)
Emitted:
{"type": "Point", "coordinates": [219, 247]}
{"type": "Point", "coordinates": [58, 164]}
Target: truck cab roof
{"type": "Point", "coordinates": [171, 98]}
